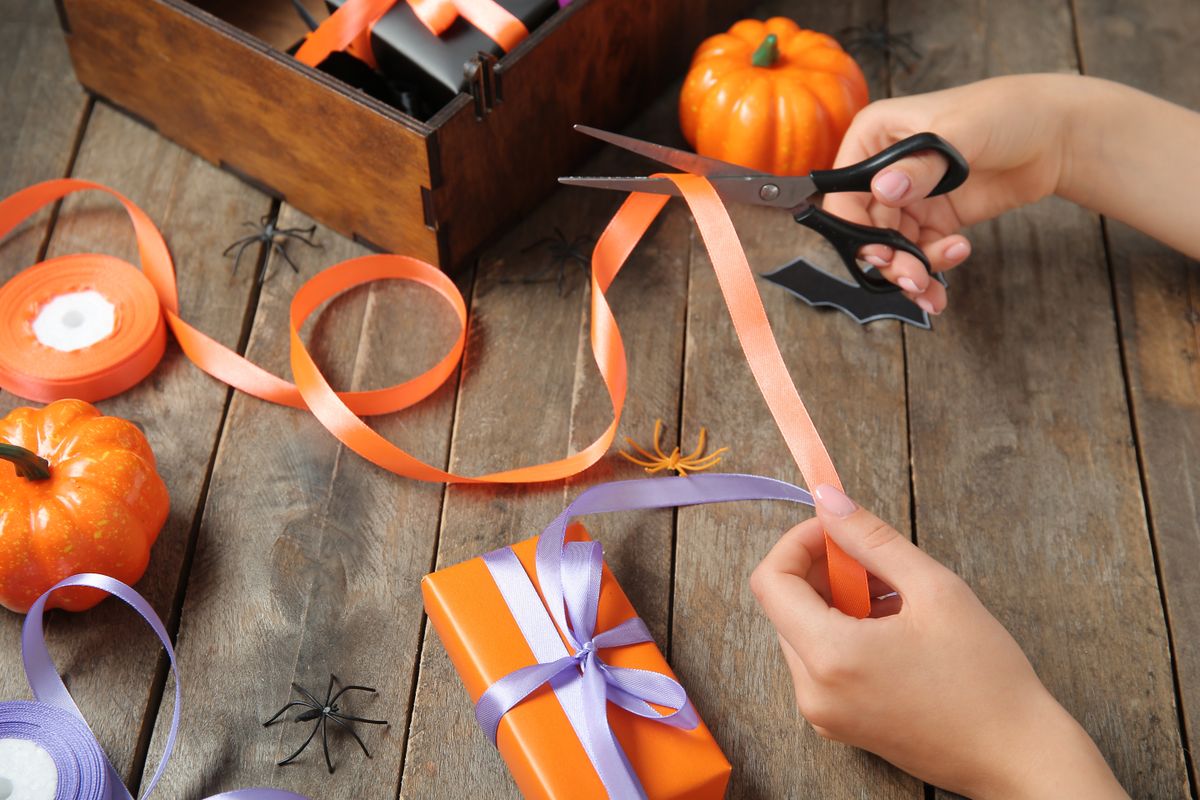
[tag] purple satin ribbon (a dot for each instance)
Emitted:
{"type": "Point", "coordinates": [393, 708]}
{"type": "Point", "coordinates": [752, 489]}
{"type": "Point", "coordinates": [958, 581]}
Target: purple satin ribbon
{"type": "Point", "coordinates": [56, 724]}
{"type": "Point", "coordinates": [569, 574]}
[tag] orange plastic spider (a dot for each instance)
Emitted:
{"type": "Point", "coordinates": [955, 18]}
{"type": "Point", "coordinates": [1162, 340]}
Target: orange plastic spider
{"type": "Point", "coordinates": [659, 461]}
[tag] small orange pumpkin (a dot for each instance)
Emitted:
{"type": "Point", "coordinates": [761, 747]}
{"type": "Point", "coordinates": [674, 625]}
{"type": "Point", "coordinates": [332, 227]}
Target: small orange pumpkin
{"type": "Point", "coordinates": [78, 493]}
{"type": "Point", "coordinates": [771, 96]}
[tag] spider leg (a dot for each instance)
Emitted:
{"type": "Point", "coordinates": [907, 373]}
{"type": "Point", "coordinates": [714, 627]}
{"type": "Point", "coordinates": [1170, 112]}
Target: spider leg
{"type": "Point", "coordinates": [282, 251]}
{"type": "Point", "coordinates": [300, 234]}
{"type": "Point", "coordinates": [245, 239]}
{"type": "Point", "coordinates": [325, 742]}
{"type": "Point", "coordinates": [635, 446]}
{"type": "Point", "coordinates": [585, 263]}
{"type": "Point", "coordinates": [699, 446]}
{"type": "Point", "coordinates": [658, 426]}
{"type": "Point", "coordinates": [542, 242]}
{"type": "Point", "coordinates": [345, 689]}
{"type": "Point", "coordinates": [352, 733]}
{"type": "Point", "coordinates": [329, 690]}
{"type": "Point", "coordinates": [238, 259]}
{"type": "Point", "coordinates": [708, 461]}
{"type": "Point", "coordinates": [316, 703]}
{"type": "Point", "coordinates": [281, 711]}
{"type": "Point", "coordinates": [638, 461]}
{"type": "Point", "coordinates": [562, 276]}
{"type": "Point", "coordinates": [353, 718]}
{"type": "Point", "coordinates": [292, 757]}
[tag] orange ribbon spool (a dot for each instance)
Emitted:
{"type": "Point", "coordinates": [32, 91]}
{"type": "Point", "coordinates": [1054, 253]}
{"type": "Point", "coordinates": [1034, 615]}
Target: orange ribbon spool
{"type": "Point", "coordinates": [142, 296]}
{"type": "Point", "coordinates": [350, 26]}
{"type": "Point", "coordinates": [111, 365]}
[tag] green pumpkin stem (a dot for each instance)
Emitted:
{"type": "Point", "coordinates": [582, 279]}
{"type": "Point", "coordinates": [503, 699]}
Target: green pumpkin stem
{"type": "Point", "coordinates": [767, 53]}
{"type": "Point", "coordinates": [29, 464]}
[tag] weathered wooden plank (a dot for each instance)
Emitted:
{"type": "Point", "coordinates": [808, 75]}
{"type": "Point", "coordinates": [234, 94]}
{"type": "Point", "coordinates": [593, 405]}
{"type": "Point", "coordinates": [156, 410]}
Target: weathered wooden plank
{"type": "Point", "coordinates": [199, 208]}
{"type": "Point", "coordinates": [852, 379]}
{"type": "Point", "coordinates": [42, 109]}
{"type": "Point", "coordinates": [1157, 48]}
{"type": "Point", "coordinates": [533, 393]}
{"type": "Point", "coordinates": [1025, 474]}
{"type": "Point", "coordinates": [309, 557]}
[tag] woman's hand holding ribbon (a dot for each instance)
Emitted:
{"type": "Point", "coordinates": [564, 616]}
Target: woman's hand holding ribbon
{"type": "Point", "coordinates": [932, 682]}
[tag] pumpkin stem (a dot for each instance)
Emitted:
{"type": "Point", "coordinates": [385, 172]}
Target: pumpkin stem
{"type": "Point", "coordinates": [767, 53]}
{"type": "Point", "coordinates": [29, 464]}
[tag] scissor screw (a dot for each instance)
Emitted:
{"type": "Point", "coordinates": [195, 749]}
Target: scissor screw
{"type": "Point", "coordinates": [769, 192]}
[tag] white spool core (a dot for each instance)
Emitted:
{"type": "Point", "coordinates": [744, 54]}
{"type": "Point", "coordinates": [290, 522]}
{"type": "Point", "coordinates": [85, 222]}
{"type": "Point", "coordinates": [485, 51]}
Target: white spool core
{"type": "Point", "coordinates": [27, 772]}
{"type": "Point", "coordinates": [74, 321]}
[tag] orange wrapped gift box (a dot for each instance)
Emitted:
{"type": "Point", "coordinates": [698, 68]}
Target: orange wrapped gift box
{"type": "Point", "coordinates": [672, 755]}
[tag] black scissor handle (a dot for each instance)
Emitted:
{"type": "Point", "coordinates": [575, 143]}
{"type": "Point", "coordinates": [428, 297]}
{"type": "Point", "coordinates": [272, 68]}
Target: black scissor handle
{"type": "Point", "coordinates": [848, 237]}
{"type": "Point", "coordinates": [857, 177]}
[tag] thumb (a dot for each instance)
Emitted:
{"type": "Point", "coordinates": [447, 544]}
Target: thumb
{"type": "Point", "coordinates": [870, 541]}
{"type": "Point", "coordinates": [908, 180]}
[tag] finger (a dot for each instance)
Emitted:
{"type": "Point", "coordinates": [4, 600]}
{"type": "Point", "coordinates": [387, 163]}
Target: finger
{"type": "Point", "coordinates": [907, 272]}
{"type": "Point", "coordinates": [908, 180]}
{"type": "Point", "coordinates": [886, 606]}
{"type": "Point", "coordinates": [872, 542]}
{"type": "Point", "coordinates": [947, 253]}
{"type": "Point", "coordinates": [791, 603]}
{"type": "Point", "coordinates": [933, 300]}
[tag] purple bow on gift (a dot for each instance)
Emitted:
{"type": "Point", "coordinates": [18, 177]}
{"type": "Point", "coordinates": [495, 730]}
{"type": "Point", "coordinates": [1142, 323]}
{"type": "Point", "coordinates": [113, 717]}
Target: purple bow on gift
{"type": "Point", "coordinates": [569, 574]}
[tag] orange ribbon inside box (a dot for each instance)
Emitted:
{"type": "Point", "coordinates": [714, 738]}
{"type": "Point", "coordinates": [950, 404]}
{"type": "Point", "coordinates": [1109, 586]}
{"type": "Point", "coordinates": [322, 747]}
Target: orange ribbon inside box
{"type": "Point", "coordinates": [536, 738]}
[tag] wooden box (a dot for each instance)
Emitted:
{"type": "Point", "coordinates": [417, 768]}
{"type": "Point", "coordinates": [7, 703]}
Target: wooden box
{"type": "Point", "coordinates": [213, 76]}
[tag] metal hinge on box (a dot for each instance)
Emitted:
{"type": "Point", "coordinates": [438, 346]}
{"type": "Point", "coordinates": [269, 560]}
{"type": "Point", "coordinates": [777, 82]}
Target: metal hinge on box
{"type": "Point", "coordinates": [483, 82]}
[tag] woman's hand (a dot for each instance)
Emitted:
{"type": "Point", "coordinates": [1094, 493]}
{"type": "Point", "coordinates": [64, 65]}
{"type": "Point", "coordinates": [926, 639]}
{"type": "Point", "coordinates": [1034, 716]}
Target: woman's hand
{"type": "Point", "coordinates": [1010, 130]}
{"type": "Point", "coordinates": [932, 683]}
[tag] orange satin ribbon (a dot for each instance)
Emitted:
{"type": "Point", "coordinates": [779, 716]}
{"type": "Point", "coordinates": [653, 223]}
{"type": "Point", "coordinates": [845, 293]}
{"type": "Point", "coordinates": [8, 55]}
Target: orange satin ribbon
{"type": "Point", "coordinates": [106, 370]}
{"type": "Point", "coordinates": [847, 578]}
{"type": "Point", "coordinates": [350, 26]}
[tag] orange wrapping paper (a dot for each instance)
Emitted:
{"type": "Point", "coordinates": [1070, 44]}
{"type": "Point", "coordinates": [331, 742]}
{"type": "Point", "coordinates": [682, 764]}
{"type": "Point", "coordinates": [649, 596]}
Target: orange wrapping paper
{"type": "Point", "coordinates": [535, 738]}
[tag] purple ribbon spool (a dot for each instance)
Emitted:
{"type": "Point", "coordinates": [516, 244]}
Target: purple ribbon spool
{"type": "Point", "coordinates": [55, 723]}
{"type": "Point", "coordinates": [82, 768]}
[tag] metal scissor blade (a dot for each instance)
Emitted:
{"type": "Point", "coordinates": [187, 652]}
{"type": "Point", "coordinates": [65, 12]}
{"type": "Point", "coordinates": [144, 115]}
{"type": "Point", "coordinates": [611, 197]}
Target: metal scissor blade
{"type": "Point", "coordinates": [647, 185]}
{"type": "Point", "coordinates": [680, 159]}
{"type": "Point", "coordinates": [755, 189]}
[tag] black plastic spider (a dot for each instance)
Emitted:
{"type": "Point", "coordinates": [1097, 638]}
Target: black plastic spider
{"type": "Point", "coordinates": [274, 238]}
{"type": "Point", "coordinates": [323, 713]}
{"type": "Point", "coordinates": [562, 252]}
{"type": "Point", "coordinates": [877, 43]}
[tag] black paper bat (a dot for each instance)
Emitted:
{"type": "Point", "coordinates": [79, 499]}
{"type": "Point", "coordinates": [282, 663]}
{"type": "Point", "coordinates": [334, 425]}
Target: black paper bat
{"type": "Point", "coordinates": [818, 288]}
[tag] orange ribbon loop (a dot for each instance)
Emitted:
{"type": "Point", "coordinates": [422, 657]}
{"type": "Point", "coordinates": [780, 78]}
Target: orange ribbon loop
{"type": "Point", "coordinates": [349, 26]}
{"type": "Point", "coordinates": [29, 369]}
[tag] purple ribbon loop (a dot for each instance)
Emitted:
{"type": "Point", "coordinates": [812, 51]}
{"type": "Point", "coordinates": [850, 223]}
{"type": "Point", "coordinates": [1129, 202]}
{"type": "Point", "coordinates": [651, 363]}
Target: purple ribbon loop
{"type": "Point", "coordinates": [569, 574]}
{"type": "Point", "coordinates": [56, 724]}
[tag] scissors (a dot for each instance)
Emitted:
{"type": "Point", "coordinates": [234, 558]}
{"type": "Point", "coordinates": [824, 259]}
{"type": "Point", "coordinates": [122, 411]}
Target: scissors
{"type": "Point", "coordinates": [794, 193]}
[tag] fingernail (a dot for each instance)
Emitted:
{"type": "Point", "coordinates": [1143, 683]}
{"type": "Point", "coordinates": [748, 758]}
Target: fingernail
{"type": "Point", "coordinates": [893, 185]}
{"type": "Point", "coordinates": [957, 251]}
{"type": "Point", "coordinates": [875, 261]}
{"type": "Point", "coordinates": [908, 285]}
{"type": "Point", "coordinates": [834, 500]}
{"type": "Point", "coordinates": [926, 306]}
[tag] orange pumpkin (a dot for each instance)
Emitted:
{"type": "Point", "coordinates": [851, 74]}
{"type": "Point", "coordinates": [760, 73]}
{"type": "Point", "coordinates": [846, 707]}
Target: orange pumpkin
{"type": "Point", "coordinates": [771, 96]}
{"type": "Point", "coordinates": [78, 493]}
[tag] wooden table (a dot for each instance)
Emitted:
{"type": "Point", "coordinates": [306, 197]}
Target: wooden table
{"type": "Point", "coordinates": [1042, 440]}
